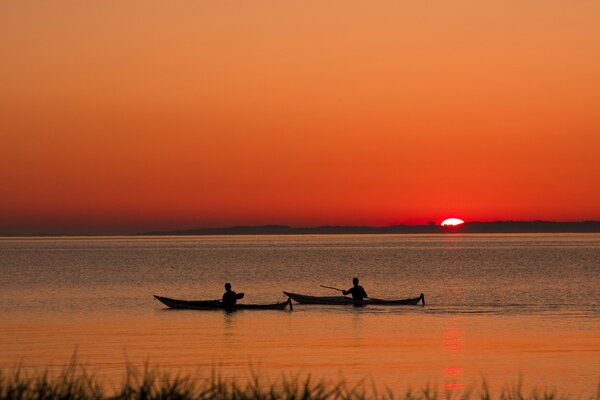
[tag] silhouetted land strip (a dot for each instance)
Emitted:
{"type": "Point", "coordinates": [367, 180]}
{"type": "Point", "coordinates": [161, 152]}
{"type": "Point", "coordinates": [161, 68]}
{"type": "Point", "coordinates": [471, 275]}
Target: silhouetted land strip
{"type": "Point", "coordinates": [468, 227]}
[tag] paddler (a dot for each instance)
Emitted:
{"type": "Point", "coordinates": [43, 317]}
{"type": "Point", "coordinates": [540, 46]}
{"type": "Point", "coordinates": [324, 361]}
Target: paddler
{"type": "Point", "coordinates": [230, 297]}
{"type": "Point", "coordinates": [358, 292]}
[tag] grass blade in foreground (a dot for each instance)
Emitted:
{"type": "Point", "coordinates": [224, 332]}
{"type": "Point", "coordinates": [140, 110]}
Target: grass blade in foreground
{"type": "Point", "coordinates": [74, 382]}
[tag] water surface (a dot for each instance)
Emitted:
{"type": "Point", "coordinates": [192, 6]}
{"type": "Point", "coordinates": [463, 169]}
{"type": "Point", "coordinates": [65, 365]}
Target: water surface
{"type": "Point", "coordinates": [499, 306]}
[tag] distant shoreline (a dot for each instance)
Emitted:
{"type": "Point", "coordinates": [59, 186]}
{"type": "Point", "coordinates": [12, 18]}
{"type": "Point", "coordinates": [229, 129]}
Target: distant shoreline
{"type": "Point", "coordinates": [468, 227]}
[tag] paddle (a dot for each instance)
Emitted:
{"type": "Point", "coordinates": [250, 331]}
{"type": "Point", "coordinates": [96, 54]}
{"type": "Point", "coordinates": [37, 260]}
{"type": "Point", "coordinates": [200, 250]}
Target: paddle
{"type": "Point", "coordinates": [331, 287]}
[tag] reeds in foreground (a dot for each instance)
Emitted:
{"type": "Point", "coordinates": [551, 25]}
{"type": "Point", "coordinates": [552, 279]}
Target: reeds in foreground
{"type": "Point", "coordinates": [75, 382]}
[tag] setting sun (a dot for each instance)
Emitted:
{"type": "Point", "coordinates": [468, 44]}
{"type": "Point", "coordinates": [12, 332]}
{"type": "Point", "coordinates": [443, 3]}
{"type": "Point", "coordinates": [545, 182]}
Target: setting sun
{"type": "Point", "coordinates": [452, 222]}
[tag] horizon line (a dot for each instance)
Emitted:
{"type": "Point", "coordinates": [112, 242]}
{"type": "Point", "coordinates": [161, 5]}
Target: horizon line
{"type": "Point", "coordinates": [496, 226]}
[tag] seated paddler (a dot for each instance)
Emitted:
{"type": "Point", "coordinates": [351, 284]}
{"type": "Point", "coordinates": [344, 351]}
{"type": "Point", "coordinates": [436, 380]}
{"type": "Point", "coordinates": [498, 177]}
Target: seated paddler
{"type": "Point", "coordinates": [230, 297]}
{"type": "Point", "coordinates": [358, 292]}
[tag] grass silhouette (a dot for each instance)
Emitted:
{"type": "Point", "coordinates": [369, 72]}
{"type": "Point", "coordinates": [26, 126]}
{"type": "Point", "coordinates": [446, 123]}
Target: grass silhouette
{"type": "Point", "coordinates": [74, 382]}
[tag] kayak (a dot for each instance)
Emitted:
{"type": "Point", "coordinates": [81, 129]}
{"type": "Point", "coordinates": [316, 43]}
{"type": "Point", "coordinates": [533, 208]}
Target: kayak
{"type": "Point", "coordinates": [218, 305]}
{"type": "Point", "coordinates": [344, 300]}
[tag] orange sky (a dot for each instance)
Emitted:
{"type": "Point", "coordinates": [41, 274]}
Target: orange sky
{"type": "Point", "coordinates": [126, 116]}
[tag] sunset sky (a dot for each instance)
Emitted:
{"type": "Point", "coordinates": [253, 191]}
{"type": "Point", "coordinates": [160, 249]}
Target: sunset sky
{"type": "Point", "coordinates": [120, 117]}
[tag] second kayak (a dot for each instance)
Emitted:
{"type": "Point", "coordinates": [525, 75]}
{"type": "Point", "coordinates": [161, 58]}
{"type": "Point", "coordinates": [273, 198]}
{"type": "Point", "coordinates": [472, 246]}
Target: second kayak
{"type": "Point", "coordinates": [344, 300]}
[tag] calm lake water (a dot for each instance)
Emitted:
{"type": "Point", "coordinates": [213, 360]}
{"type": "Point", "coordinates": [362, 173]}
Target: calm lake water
{"type": "Point", "coordinates": [503, 307]}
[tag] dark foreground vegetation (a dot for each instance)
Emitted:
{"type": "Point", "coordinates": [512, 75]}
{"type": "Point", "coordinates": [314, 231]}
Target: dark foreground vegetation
{"type": "Point", "coordinates": [76, 383]}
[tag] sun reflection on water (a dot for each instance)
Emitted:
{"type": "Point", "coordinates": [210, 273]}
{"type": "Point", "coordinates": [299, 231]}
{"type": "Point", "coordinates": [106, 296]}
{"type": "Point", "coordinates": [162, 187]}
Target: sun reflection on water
{"type": "Point", "coordinates": [453, 343]}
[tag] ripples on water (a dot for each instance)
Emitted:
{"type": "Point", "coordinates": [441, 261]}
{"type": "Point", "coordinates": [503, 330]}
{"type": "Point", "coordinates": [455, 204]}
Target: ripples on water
{"type": "Point", "coordinates": [497, 305]}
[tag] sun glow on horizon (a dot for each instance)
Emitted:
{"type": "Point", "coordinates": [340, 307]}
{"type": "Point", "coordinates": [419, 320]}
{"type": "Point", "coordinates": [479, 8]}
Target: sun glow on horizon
{"type": "Point", "coordinates": [451, 222]}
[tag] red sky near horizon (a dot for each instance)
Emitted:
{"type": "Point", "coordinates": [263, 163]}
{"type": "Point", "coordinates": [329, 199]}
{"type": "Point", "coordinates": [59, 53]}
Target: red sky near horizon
{"type": "Point", "coordinates": [124, 117]}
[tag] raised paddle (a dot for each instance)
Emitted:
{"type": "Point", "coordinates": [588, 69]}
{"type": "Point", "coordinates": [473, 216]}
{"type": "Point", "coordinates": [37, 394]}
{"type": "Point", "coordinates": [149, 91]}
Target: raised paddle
{"type": "Point", "coordinates": [331, 287]}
